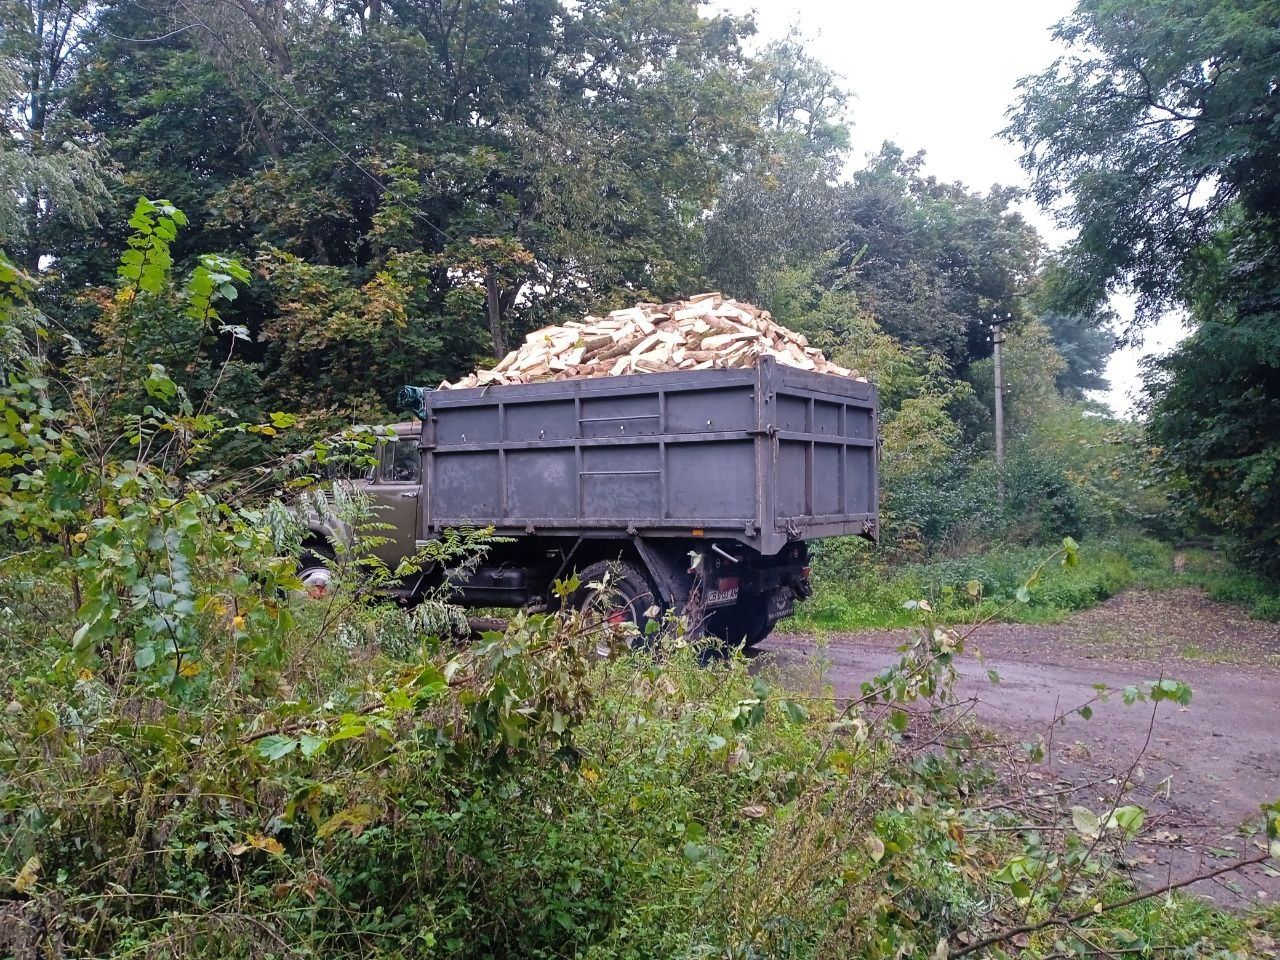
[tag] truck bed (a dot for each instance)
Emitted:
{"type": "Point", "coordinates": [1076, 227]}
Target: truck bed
{"type": "Point", "coordinates": [764, 456]}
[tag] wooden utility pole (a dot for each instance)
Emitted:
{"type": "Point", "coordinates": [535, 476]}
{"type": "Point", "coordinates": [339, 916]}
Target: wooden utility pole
{"type": "Point", "coordinates": [997, 338]}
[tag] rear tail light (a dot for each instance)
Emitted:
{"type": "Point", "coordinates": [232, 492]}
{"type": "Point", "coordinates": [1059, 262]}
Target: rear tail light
{"type": "Point", "coordinates": [727, 583]}
{"type": "Point", "coordinates": [804, 572]}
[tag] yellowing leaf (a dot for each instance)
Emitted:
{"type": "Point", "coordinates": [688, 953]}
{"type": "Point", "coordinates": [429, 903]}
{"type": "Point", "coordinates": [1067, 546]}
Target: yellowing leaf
{"type": "Point", "coordinates": [26, 879]}
{"type": "Point", "coordinates": [353, 819]}
{"type": "Point", "coordinates": [238, 622]}
{"type": "Point", "coordinates": [269, 844]}
{"type": "Point", "coordinates": [256, 841]}
{"type": "Point", "coordinates": [875, 846]}
{"type": "Point", "coordinates": [590, 775]}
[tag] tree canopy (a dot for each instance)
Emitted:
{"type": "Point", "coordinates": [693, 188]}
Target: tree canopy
{"type": "Point", "coordinates": [1162, 117]}
{"type": "Point", "coordinates": [1159, 134]}
{"type": "Point", "coordinates": [415, 185]}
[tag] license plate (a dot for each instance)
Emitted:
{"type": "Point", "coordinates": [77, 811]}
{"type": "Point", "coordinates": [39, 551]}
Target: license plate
{"type": "Point", "coordinates": [720, 598]}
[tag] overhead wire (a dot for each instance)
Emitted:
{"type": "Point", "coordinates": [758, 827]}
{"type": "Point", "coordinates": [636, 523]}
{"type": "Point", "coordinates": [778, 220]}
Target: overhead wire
{"type": "Point", "coordinates": [163, 36]}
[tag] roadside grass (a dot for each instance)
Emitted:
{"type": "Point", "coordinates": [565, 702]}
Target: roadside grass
{"type": "Point", "coordinates": [1154, 927]}
{"type": "Point", "coordinates": [1229, 584]}
{"type": "Point", "coordinates": [855, 588]}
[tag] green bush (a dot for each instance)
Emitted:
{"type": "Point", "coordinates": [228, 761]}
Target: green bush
{"type": "Point", "coordinates": [518, 797]}
{"type": "Point", "coordinates": [1258, 594]}
{"type": "Point", "coordinates": [856, 588]}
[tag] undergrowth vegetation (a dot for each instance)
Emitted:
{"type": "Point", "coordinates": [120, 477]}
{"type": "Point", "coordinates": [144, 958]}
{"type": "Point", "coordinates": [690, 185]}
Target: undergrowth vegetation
{"type": "Point", "coordinates": [856, 586]}
{"type": "Point", "coordinates": [199, 759]}
{"type": "Point", "coordinates": [292, 794]}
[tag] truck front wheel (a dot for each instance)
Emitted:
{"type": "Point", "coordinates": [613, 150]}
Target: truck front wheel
{"type": "Point", "coordinates": [628, 597]}
{"type": "Point", "coordinates": [315, 570]}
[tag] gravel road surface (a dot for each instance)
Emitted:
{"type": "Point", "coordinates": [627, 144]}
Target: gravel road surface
{"type": "Point", "coordinates": [1206, 767]}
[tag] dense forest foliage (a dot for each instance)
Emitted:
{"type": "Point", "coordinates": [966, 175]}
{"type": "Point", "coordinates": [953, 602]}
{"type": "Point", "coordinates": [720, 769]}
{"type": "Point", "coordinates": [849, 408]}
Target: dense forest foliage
{"type": "Point", "coordinates": [232, 229]}
{"type": "Point", "coordinates": [414, 185]}
{"type": "Point", "coordinates": [1160, 130]}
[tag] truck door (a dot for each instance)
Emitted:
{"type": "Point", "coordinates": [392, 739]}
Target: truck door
{"type": "Point", "coordinates": [395, 490]}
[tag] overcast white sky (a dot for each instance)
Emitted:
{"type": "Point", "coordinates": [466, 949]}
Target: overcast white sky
{"type": "Point", "coordinates": [938, 76]}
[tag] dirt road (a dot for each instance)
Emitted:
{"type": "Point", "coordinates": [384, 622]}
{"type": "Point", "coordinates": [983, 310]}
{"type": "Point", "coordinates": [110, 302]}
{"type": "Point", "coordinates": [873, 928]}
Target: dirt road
{"type": "Point", "coordinates": [1207, 766]}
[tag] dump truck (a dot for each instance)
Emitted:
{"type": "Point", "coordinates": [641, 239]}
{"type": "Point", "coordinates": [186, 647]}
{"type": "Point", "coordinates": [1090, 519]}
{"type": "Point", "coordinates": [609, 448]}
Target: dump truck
{"type": "Point", "coordinates": [696, 491]}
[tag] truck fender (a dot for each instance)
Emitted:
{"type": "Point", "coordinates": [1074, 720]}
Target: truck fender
{"type": "Point", "coordinates": [669, 574]}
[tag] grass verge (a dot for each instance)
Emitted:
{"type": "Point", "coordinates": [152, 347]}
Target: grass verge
{"type": "Point", "coordinates": [855, 589]}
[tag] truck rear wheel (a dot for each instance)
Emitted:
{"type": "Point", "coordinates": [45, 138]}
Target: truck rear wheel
{"type": "Point", "coordinates": [627, 598]}
{"type": "Point", "coordinates": [746, 624]}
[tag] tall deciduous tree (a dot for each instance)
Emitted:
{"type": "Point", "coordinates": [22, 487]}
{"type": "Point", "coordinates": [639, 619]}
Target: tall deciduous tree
{"type": "Point", "coordinates": [508, 165]}
{"type": "Point", "coordinates": [781, 211]}
{"type": "Point", "coordinates": [933, 261]}
{"type": "Point", "coordinates": [49, 168]}
{"type": "Point", "coordinates": [1160, 130]}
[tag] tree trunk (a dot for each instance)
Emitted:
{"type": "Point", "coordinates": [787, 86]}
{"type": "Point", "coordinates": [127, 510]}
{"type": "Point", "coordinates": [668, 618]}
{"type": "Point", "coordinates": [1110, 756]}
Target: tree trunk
{"type": "Point", "coordinates": [494, 299]}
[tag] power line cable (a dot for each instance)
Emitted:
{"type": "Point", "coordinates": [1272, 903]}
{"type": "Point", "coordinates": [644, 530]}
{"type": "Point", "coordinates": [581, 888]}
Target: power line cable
{"type": "Point", "coordinates": [165, 36]}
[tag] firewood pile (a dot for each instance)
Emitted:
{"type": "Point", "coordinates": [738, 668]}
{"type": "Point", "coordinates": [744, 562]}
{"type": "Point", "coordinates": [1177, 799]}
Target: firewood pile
{"type": "Point", "coordinates": [704, 332]}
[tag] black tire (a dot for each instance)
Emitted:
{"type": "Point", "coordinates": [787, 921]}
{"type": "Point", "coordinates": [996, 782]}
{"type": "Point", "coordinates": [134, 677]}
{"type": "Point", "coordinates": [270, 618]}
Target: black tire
{"type": "Point", "coordinates": [315, 569]}
{"type": "Point", "coordinates": [746, 624]}
{"type": "Point", "coordinates": [629, 598]}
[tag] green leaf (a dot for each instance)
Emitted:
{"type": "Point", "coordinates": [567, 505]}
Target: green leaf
{"type": "Point", "coordinates": [349, 729]}
{"type": "Point", "coordinates": [1175, 690]}
{"type": "Point", "coordinates": [275, 746]}
{"type": "Point", "coordinates": [1071, 556]}
{"type": "Point", "coordinates": [1128, 818]}
{"type": "Point", "coordinates": [795, 712]}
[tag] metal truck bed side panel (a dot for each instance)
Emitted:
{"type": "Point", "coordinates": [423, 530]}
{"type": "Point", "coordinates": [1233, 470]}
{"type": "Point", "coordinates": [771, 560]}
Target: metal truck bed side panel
{"type": "Point", "coordinates": [761, 455]}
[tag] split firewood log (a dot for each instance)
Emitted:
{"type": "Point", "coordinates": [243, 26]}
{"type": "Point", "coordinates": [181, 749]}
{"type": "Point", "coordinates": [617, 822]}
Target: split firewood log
{"type": "Point", "coordinates": [704, 332]}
